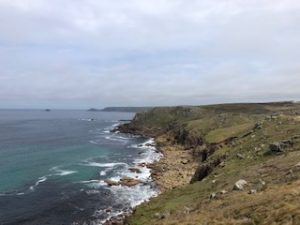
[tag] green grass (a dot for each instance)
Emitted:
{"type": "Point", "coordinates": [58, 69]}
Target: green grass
{"type": "Point", "coordinates": [221, 134]}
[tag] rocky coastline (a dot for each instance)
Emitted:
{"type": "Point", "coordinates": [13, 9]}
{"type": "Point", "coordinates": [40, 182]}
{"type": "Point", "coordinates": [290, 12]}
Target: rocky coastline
{"type": "Point", "coordinates": [211, 154]}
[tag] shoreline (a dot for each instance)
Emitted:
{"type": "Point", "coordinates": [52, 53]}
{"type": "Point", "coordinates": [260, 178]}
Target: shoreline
{"type": "Point", "coordinates": [175, 162]}
{"type": "Point", "coordinates": [120, 219]}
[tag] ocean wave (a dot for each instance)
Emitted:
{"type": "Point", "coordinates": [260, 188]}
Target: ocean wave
{"type": "Point", "coordinates": [117, 138]}
{"type": "Point", "coordinates": [12, 194]}
{"type": "Point", "coordinates": [95, 164]}
{"type": "Point", "coordinates": [60, 172]}
{"type": "Point", "coordinates": [135, 195]}
{"type": "Point", "coordinates": [40, 180]}
{"type": "Point", "coordinates": [87, 119]}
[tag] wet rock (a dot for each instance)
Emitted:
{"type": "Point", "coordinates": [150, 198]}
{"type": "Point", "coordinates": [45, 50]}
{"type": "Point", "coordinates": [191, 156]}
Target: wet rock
{"type": "Point", "coordinates": [111, 182]}
{"type": "Point", "coordinates": [150, 145]}
{"type": "Point", "coordinates": [142, 164]}
{"type": "Point", "coordinates": [239, 185]}
{"type": "Point", "coordinates": [129, 182]}
{"type": "Point", "coordinates": [135, 170]}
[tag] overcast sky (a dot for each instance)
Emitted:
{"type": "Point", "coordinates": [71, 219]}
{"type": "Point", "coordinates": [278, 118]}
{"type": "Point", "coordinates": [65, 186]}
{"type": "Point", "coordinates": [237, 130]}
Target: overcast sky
{"type": "Point", "coordinates": [95, 53]}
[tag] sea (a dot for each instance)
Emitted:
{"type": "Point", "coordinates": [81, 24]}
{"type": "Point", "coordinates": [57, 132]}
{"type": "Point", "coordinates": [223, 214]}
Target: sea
{"type": "Point", "coordinates": [53, 167]}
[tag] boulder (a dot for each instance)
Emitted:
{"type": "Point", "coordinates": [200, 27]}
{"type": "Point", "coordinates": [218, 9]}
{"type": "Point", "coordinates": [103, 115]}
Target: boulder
{"type": "Point", "coordinates": [276, 147]}
{"type": "Point", "coordinates": [280, 146]}
{"type": "Point", "coordinates": [111, 182]}
{"type": "Point", "coordinates": [239, 185]}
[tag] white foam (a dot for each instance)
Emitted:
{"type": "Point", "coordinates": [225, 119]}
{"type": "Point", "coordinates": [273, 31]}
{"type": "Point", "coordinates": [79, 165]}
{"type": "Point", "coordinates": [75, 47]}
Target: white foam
{"type": "Point", "coordinates": [150, 154]}
{"type": "Point", "coordinates": [89, 119]}
{"type": "Point", "coordinates": [60, 172]}
{"type": "Point", "coordinates": [116, 138]}
{"type": "Point", "coordinates": [135, 195]}
{"type": "Point", "coordinates": [95, 164]}
{"type": "Point", "coordinates": [40, 180]}
{"type": "Point", "coordinates": [10, 194]}
{"type": "Point", "coordinates": [104, 172]}
{"type": "Point", "coordinates": [97, 184]}
{"type": "Point", "coordinates": [93, 142]}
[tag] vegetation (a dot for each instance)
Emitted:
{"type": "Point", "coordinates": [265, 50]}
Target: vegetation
{"type": "Point", "coordinates": [228, 143]}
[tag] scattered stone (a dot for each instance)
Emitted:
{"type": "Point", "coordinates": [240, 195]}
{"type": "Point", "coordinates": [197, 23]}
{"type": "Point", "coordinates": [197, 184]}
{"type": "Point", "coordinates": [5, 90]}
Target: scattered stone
{"type": "Point", "coordinates": [184, 161]}
{"type": "Point", "coordinates": [297, 136]}
{"type": "Point", "coordinates": [187, 210]}
{"type": "Point", "coordinates": [222, 164]}
{"type": "Point", "coordinates": [157, 215]}
{"type": "Point", "coordinates": [258, 126]}
{"type": "Point", "coordinates": [135, 170]}
{"type": "Point", "coordinates": [280, 146]}
{"type": "Point", "coordinates": [223, 192]}
{"type": "Point", "coordinates": [213, 181]}
{"type": "Point", "coordinates": [239, 185]}
{"type": "Point", "coordinates": [108, 210]}
{"type": "Point", "coordinates": [261, 186]}
{"type": "Point", "coordinates": [252, 191]}
{"type": "Point", "coordinates": [213, 195]}
{"type": "Point", "coordinates": [162, 215]}
{"type": "Point", "coordinates": [276, 147]}
{"type": "Point", "coordinates": [240, 156]}
{"type": "Point", "coordinates": [297, 165]}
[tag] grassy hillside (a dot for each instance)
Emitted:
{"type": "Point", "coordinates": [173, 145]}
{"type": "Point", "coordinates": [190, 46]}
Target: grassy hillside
{"type": "Point", "coordinates": [258, 143]}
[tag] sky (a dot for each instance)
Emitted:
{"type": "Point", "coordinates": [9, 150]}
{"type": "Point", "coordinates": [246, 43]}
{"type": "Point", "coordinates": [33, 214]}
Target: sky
{"type": "Point", "coordinates": [96, 53]}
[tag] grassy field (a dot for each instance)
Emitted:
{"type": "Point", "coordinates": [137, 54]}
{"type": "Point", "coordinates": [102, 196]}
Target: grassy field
{"type": "Point", "coordinates": [238, 138]}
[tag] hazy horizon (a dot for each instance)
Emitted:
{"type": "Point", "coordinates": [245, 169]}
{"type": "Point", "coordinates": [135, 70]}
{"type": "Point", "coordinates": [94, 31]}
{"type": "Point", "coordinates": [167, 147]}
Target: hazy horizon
{"type": "Point", "coordinates": [81, 54]}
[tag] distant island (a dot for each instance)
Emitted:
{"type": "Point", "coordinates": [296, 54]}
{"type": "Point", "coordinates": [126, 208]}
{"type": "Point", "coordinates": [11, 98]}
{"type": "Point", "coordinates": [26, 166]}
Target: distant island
{"type": "Point", "coordinates": [121, 109]}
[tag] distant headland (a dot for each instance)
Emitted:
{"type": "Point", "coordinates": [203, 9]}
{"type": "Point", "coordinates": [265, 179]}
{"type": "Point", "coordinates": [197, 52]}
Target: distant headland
{"type": "Point", "coordinates": [121, 109]}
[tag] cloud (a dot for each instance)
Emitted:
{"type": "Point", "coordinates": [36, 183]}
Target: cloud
{"type": "Point", "coordinates": [64, 53]}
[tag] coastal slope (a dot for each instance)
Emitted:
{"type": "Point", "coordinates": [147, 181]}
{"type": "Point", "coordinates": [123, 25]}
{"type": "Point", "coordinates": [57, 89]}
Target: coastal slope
{"type": "Point", "coordinates": [223, 164]}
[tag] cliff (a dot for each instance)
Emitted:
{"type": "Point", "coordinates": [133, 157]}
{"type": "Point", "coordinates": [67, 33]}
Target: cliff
{"type": "Point", "coordinates": [224, 164]}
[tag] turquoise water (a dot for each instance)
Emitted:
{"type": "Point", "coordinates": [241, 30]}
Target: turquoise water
{"type": "Point", "coordinates": [53, 166]}
{"type": "Point", "coordinates": [33, 142]}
